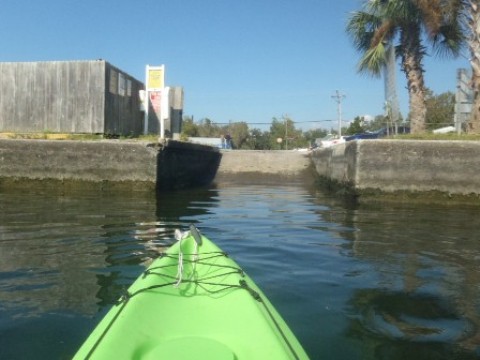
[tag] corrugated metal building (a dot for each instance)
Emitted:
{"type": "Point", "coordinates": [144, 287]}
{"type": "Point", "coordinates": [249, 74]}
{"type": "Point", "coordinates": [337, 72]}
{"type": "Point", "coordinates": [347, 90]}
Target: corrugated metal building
{"type": "Point", "coordinates": [69, 97]}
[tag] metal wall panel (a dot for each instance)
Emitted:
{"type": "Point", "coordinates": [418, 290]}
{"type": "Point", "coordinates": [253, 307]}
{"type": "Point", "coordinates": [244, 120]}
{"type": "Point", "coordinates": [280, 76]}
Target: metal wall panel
{"type": "Point", "coordinates": [122, 103]}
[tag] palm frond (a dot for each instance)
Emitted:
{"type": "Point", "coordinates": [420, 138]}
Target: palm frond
{"type": "Point", "coordinates": [449, 42]}
{"type": "Point", "coordinates": [431, 14]}
{"type": "Point", "coordinates": [383, 33]}
{"type": "Point", "coordinates": [361, 28]}
{"type": "Point", "coordinates": [373, 61]}
{"type": "Point", "coordinates": [451, 36]}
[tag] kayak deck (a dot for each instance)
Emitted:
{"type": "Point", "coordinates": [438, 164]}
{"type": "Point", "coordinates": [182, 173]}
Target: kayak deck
{"type": "Point", "coordinates": [193, 302]}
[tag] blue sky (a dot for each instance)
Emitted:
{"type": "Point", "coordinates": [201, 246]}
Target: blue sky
{"type": "Point", "coordinates": [238, 60]}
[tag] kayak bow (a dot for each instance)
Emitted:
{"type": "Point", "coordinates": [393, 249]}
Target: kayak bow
{"type": "Point", "coordinates": [193, 302]}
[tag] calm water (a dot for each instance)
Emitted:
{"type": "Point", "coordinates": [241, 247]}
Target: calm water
{"type": "Point", "coordinates": [353, 282]}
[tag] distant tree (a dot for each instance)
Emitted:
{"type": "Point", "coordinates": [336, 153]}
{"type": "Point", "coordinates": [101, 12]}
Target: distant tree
{"type": "Point", "coordinates": [311, 135]}
{"type": "Point", "coordinates": [284, 129]}
{"type": "Point", "coordinates": [259, 140]}
{"type": "Point", "coordinates": [440, 109]}
{"type": "Point", "coordinates": [189, 128]}
{"type": "Point", "coordinates": [380, 121]}
{"type": "Point", "coordinates": [206, 128]}
{"type": "Point", "coordinates": [277, 131]}
{"type": "Point", "coordinates": [239, 133]}
{"type": "Point", "coordinates": [356, 126]}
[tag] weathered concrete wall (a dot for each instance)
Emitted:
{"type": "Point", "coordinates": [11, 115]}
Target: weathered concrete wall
{"type": "Point", "coordinates": [450, 167]}
{"type": "Point", "coordinates": [91, 161]}
{"type": "Point", "coordinates": [254, 166]}
{"type": "Point", "coordinates": [142, 164]}
{"type": "Point", "coordinates": [366, 166]}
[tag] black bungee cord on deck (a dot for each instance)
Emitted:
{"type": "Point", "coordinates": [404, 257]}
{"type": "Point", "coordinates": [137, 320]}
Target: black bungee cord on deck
{"type": "Point", "coordinates": [203, 283]}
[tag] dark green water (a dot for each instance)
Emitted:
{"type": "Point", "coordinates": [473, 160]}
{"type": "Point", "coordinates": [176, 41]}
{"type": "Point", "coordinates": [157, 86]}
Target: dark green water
{"type": "Point", "coordinates": [353, 282]}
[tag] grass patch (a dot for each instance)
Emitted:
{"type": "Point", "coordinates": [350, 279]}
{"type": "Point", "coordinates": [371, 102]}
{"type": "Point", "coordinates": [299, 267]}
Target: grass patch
{"type": "Point", "coordinates": [149, 137]}
{"type": "Point", "coordinates": [430, 136]}
{"type": "Point", "coordinates": [47, 135]}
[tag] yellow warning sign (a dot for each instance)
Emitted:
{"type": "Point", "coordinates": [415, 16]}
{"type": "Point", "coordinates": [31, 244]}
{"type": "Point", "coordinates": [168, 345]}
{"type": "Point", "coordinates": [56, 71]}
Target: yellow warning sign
{"type": "Point", "coordinates": [155, 77]}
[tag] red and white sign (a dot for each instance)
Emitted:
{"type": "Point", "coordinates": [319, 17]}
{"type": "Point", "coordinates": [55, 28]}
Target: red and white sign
{"type": "Point", "coordinates": [156, 101]}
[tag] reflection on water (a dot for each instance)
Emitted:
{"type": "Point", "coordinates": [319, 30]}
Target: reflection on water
{"type": "Point", "coordinates": [427, 261]}
{"type": "Point", "coordinates": [51, 246]}
{"type": "Point", "coordinates": [369, 282]}
{"type": "Point", "coordinates": [414, 317]}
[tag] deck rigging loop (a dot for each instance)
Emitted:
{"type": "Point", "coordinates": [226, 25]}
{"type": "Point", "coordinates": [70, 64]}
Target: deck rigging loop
{"type": "Point", "coordinates": [196, 234]}
{"type": "Point", "coordinates": [198, 241]}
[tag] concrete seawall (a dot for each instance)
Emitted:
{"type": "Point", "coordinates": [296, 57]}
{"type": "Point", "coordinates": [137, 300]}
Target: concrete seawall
{"type": "Point", "coordinates": [138, 165]}
{"type": "Point", "coordinates": [370, 167]}
{"type": "Point", "coordinates": [78, 160]}
{"type": "Point", "coordinates": [106, 163]}
{"type": "Point", "coordinates": [364, 168]}
{"type": "Point", "coordinates": [264, 166]}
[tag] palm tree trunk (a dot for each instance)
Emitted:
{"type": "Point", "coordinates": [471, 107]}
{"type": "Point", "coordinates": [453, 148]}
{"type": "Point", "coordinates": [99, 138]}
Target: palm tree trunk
{"type": "Point", "coordinates": [473, 9]}
{"type": "Point", "coordinates": [413, 69]}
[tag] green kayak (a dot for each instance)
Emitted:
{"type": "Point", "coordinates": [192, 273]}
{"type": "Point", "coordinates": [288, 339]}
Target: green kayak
{"type": "Point", "coordinates": [193, 302]}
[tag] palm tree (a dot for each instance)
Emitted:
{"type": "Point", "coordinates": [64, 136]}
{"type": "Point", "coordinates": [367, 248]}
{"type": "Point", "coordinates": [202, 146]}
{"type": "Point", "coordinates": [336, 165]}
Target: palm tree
{"type": "Point", "coordinates": [410, 23]}
{"type": "Point", "coordinates": [472, 12]}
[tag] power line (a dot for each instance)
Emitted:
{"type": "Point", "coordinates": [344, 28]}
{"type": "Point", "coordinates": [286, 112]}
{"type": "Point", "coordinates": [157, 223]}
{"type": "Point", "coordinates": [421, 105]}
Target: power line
{"type": "Point", "coordinates": [270, 123]}
{"type": "Point", "coordinates": [311, 121]}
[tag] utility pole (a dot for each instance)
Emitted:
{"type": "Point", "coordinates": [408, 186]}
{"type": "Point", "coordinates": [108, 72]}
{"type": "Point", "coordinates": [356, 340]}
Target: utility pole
{"type": "Point", "coordinates": [286, 132]}
{"type": "Point", "coordinates": [391, 98]}
{"type": "Point", "coordinates": [338, 97]}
